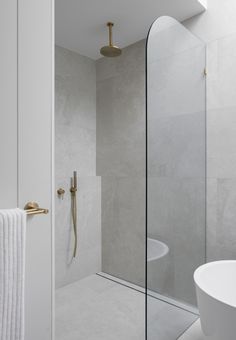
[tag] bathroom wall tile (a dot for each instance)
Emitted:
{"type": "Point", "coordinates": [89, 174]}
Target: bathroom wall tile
{"type": "Point", "coordinates": [75, 149]}
{"type": "Point", "coordinates": [221, 78]}
{"type": "Point", "coordinates": [132, 58]}
{"type": "Point", "coordinates": [123, 228]}
{"type": "Point", "coordinates": [176, 85]}
{"type": "Point", "coordinates": [168, 38]}
{"type": "Point", "coordinates": [221, 142]}
{"type": "Point", "coordinates": [221, 232]}
{"type": "Point", "coordinates": [71, 64]}
{"type": "Point", "coordinates": [218, 21]}
{"type": "Point", "coordinates": [68, 103]}
{"type": "Point", "coordinates": [121, 124]}
{"type": "Point", "coordinates": [75, 100]}
{"type": "Point", "coordinates": [177, 155]}
{"type": "Point", "coordinates": [121, 161]}
{"type": "Point", "coordinates": [75, 119]}
{"type": "Point", "coordinates": [166, 322]}
{"type": "Point", "coordinates": [88, 260]}
{"type": "Point", "coordinates": [194, 332]}
{"type": "Point", "coordinates": [176, 146]}
{"type": "Point", "coordinates": [176, 216]}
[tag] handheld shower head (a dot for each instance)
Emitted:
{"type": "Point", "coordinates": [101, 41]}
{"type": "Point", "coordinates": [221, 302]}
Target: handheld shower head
{"type": "Point", "coordinates": [110, 50]}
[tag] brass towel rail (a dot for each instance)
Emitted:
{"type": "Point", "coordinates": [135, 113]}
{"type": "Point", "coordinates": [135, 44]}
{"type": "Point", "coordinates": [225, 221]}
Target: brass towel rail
{"type": "Point", "coordinates": [32, 208]}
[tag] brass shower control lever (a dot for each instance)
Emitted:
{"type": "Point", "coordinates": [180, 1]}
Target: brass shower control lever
{"type": "Point", "coordinates": [60, 192]}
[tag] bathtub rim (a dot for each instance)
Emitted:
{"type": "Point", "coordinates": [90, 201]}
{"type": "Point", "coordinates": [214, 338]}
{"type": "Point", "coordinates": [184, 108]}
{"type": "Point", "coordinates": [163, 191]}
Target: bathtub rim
{"type": "Point", "coordinates": [197, 278]}
{"type": "Point", "coordinates": [164, 253]}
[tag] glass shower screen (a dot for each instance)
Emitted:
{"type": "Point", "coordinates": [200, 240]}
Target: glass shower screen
{"type": "Point", "coordinates": [176, 176]}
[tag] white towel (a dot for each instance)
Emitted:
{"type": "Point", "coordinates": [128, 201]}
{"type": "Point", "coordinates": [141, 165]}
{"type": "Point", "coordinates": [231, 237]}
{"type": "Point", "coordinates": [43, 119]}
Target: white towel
{"type": "Point", "coordinates": [12, 273]}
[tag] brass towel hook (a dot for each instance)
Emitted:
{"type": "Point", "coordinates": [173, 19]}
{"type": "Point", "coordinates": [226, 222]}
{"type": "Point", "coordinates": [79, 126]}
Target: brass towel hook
{"type": "Point", "coordinates": [32, 208]}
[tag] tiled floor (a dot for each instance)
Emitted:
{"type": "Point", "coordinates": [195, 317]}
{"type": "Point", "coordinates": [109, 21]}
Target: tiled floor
{"type": "Point", "coordinates": [193, 333]}
{"type": "Point", "coordinates": [96, 308]}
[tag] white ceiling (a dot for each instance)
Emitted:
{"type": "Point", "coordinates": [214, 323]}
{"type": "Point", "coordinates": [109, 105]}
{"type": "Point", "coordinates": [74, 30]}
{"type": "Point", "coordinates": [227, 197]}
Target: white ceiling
{"type": "Point", "coordinates": [81, 24]}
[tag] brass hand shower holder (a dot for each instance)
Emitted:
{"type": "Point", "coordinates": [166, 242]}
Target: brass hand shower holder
{"type": "Point", "coordinates": [32, 208]}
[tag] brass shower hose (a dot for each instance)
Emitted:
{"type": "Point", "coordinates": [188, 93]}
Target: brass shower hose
{"type": "Point", "coordinates": [73, 191]}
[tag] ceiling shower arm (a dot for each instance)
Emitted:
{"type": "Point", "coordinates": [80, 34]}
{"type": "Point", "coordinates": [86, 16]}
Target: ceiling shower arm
{"type": "Point", "coordinates": [110, 25]}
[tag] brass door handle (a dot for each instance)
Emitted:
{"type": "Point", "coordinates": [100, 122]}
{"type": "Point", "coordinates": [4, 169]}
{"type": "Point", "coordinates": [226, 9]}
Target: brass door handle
{"type": "Point", "coordinates": [32, 208]}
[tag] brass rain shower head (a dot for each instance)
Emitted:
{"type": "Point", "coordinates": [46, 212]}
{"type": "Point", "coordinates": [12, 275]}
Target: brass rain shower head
{"type": "Point", "coordinates": [110, 50]}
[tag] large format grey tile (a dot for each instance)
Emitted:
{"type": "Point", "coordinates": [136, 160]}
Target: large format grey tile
{"type": "Point", "coordinates": [123, 228]}
{"type": "Point", "coordinates": [96, 308]}
{"type": "Point", "coordinates": [221, 232]}
{"type": "Point", "coordinates": [176, 146]}
{"type": "Point", "coordinates": [177, 85]}
{"type": "Point", "coordinates": [166, 322]}
{"type": "Point", "coordinates": [176, 212]}
{"type": "Point", "coordinates": [193, 333]}
{"type": "Point", "coordinates": [88, 260]}
{"type": "Point", "coordinates": [132, 58]}
{"type": "Point", "coordinates": [169, 38]}
{"type": "Point", "coordinates": [221, 79]}
{"type": "Point", "coordinates": [75, 149]}
{"type": "Point", "coordinates": [221, 142]}
{"type": "Point", "coordinates": [121, 161]}
{"type": "Point", "coordinates": [121, 126]}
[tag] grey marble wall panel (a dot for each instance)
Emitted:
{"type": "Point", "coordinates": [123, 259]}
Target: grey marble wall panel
{"type": "Point", "coordinates": [75, 149]}
{"type": "Point", "coordinates": [176, 214]}
{"type": "Point", "coordinates": [176, 146]}
{"type": "Point", "coordinates": [177, 153]}
{"type": "Point", "coordinates": [178, 88]}
{"type": "Point", "coordinates": [217, 27]}
{"type": "Point", "coordinates": [121, 162]}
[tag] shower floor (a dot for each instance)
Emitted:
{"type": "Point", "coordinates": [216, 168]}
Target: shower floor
{"type": "Point", "coordinates": [99, 308]}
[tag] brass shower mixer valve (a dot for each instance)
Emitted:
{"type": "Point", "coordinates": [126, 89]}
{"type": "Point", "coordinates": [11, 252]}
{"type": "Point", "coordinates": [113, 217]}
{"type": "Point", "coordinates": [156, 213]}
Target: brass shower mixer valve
{"type": "Point", "coordinates": [61, 193]}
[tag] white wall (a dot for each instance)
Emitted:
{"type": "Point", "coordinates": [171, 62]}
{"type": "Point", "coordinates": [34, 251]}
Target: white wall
{"type": "Point", "coordinates": [217, 27]}
{"type": "Point", "coordinates": [75, 146]}
{"type": "Point", "coordinates": [35, 157]}
{"type": "Point", "coordinates": [26, 114]}
{"type": "Point", "coordinates": [217, 22]}
{"type": "Point", "coordinates": [8, 104]}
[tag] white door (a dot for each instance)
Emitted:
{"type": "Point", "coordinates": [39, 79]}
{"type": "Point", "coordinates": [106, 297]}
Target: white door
{"type": "Point", "coordinates": [26, 134]}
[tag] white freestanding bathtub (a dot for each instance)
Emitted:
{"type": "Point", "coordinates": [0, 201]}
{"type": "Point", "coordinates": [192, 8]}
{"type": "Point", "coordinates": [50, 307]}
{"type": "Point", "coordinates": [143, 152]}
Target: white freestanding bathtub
{"type": "Point", "coordinates": [216, 295]}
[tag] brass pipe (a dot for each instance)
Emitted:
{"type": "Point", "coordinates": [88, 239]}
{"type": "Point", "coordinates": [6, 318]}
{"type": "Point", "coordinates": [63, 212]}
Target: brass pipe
{"type": "Point", "coordinates": [110, 25]}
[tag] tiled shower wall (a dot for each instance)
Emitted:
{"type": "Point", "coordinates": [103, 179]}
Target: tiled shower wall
{"type": "Point", "coordinates": [121, 162]}
{"type": "Point", "coordinates": [120, 146]}
{"type": "Point", "coordinates": [75, 146]}
{"type": "Point", "coordinates": [176, 156]}
{"type": "Point", "coordinates": [119, 91]}
{"type": "Point", "coordinates": [217, 27]}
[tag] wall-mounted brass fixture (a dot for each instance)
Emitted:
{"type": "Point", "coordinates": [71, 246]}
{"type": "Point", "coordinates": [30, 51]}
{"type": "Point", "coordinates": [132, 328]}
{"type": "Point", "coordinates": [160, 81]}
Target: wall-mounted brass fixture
{"type": "Point", "coordinates": [73, 191]}
{"type": "Point", "coordinates": [61, 192]}
{"type": "Point", "coordinates": [32, 208]}
{"type": "Point", "coordinates": [110, 50]}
